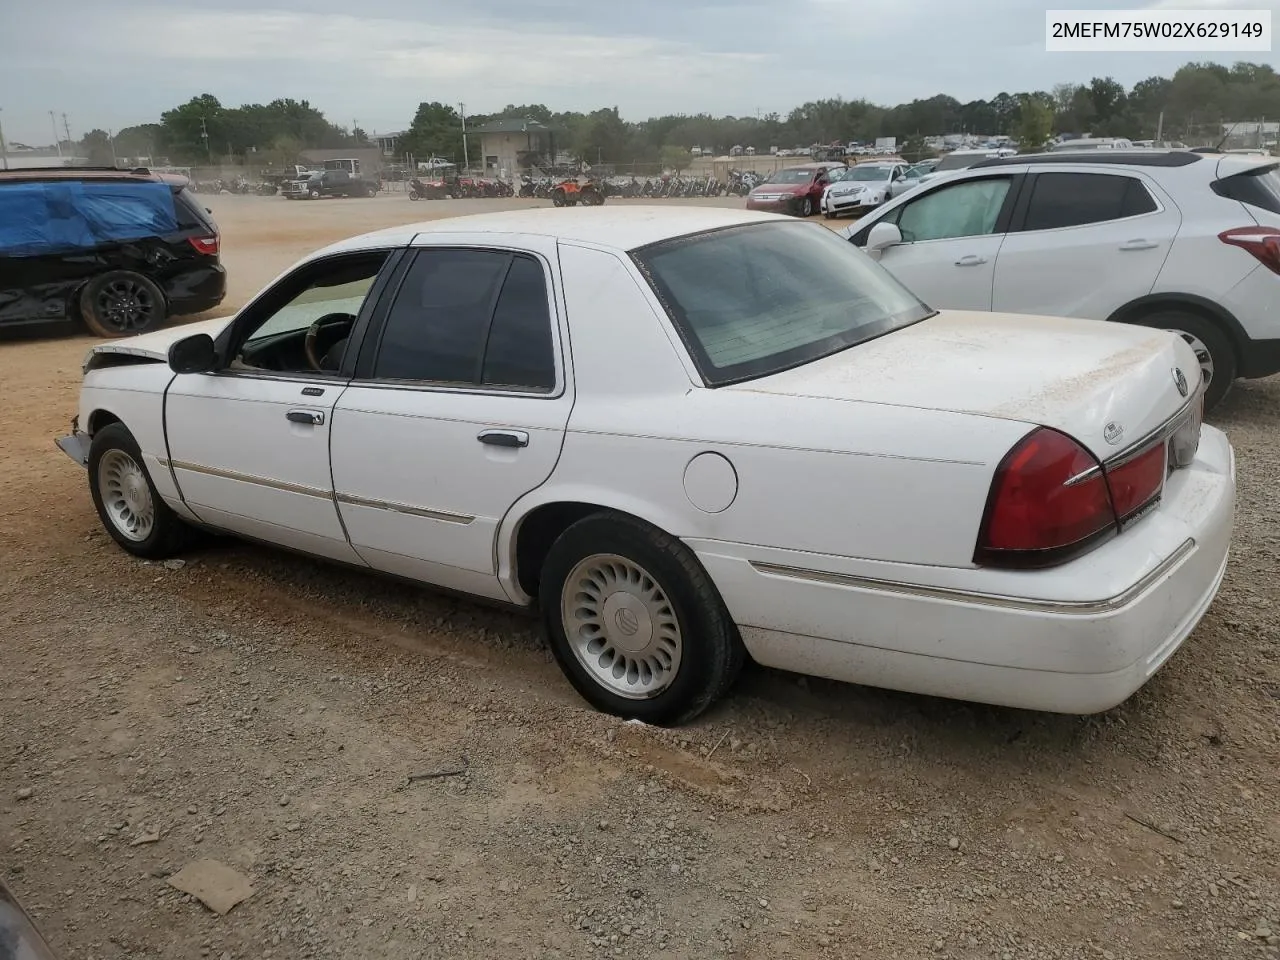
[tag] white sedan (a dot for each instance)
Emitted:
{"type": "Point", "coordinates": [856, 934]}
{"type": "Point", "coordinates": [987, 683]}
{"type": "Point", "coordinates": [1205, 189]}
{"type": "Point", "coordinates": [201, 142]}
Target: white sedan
{"type": "Point", "coordinates": [855, 190]}
{"type": "Point", "coordinates": [686, 437]}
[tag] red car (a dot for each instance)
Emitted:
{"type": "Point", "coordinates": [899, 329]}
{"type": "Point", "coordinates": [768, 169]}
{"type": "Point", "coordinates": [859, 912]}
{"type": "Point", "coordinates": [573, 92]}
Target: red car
{"type": "Point", "coordinates": [795, 190]}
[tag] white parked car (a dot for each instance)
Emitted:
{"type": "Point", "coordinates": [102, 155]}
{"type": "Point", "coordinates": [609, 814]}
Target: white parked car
{"type": "Point", "coordinates": [1170, 239]}
{"type": "Point", "coordinates": [861, 187]}
{"type": "Point", "coordinates": [685, 437]}
{"type": "Point", "coordinates": [961, 160]}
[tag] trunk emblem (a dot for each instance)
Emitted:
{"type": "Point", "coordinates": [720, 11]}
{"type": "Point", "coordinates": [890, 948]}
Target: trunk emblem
{"type": "Point", "coordinates": [1180, 380]}
{"type": "Point", "coordinates": [1113, 433]}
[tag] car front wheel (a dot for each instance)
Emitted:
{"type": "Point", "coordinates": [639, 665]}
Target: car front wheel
{"type": "Point", "coordinates": [126, 500]}
{"type": "Point", "coordinates": [634, 621]}
{"type": "Point", "coordinates": [806, 207]}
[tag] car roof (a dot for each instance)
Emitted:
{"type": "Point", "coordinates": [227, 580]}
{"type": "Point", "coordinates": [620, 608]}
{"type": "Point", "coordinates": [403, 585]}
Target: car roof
{"type": "Point", "coordinates": [618, 227]}
{"type": "Point", "coordinates": [1130, 158]}
{"type": "Point", "coordinates": [55, 174]}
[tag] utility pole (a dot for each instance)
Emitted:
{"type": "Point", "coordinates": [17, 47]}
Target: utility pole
{"type": "Point", "coordinates": [204, 135]}
{"type": "Point", "coordinates": [4, 151]}
{"type": "Point", "coordinates": [53, 125]}
{"type": "Point", "coordinates": [466, 159]}
{"type": "Point", "coordinates": [112, 140]}
{"type": "Point", "coordinates": [1160, 128]}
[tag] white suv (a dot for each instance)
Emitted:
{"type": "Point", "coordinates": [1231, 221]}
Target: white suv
{"type": "Point", "coordinates": [1184, 241]}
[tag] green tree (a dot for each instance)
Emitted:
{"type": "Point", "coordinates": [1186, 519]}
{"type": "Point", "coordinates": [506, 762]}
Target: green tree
{"type": "Point", "coordinates": [602, 137]}
{"type": "Point", "coordinates": [436, 131]}
{"type": "Point", "coordinates": [1035, 124]}
{"type": "Point", "coordinates": [675, 158]}
{"type": "Point", "coordinates": [97, 147]}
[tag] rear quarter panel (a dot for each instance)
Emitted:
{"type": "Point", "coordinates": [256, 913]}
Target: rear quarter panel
{"type": "Point", "coordinates": [857, 479]}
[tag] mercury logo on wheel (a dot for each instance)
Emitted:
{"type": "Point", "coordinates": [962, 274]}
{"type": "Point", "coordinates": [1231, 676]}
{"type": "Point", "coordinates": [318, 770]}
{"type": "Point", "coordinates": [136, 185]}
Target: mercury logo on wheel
{"type": "Point", "coordinates": [627, 621]}
{"type": "Point", "coordinates": [1180, 380]}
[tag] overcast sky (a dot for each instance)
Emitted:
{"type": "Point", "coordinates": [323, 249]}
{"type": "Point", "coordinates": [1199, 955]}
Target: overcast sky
{"type": "Point", "coordinates": [115, 64]}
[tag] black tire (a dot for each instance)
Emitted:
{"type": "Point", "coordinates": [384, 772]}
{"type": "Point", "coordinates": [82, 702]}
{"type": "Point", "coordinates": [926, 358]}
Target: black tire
{"type": "Point", "coordinates": [805, 207]}
{"type": "Point", "coordinates": [829, 216]}
{"type": "Point", "coordinates": [557, 198]}
{"type": "Point", "coordinates": [711, 654]}
{"type": "Point", "coordinates": [122, 303]}
{"type": "Point", "coordinates": [169, 534]}
{"type": "Point", "coordinates": [315, 194]}
{"type": "Point", "coordinates": [1220, 368]}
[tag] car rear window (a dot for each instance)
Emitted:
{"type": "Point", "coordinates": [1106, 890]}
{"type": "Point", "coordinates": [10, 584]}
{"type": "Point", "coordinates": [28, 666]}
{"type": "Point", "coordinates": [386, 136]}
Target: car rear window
{"type": "Point", "coordinates": [58, 216]}
{"type": "Point", "coordinates": [190, 212]}
{"type": "Point", "coordinates": [1259, 187]}
{"type": "Point", "coordinates": [754, 300]}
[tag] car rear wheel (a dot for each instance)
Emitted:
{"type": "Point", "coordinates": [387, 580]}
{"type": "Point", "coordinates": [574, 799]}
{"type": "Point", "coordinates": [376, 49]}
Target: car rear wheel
{"type": "Point", "coordinates": [121, 303]}
{"type": "Point", "coordinates": [1210, 344]}
{"type": "Point", "coordinates": [126, 500]}
{"type": "Point", "coordinates": [634, 621]}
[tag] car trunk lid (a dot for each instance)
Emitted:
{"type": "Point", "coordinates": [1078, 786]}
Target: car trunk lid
{"type": "Point", "coordinates": [1107, 385]}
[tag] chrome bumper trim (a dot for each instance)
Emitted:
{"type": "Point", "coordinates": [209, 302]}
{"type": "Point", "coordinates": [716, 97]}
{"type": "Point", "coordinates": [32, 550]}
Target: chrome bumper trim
{"type": "Point", "coordinates": [1078, 608]}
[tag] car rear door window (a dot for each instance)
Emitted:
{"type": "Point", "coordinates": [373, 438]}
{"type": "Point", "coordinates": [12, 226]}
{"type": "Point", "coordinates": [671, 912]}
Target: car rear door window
{"type": "Point", "coordinates": [967, 209]}
{"type": "Point", "coordinates": [470, 317]}
{"type": "Point", "coordinates": [1075, 199]}
{"type": "Point", "coordinates": [519, 352]}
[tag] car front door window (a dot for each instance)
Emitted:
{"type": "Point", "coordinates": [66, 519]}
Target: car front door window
{"type": "Point", "coordinates": [320, 303]}
{"type": "Point", "coordinates": [967, 209]}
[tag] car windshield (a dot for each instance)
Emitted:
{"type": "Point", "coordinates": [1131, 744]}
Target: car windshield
{"type": "Point", "coordinates": [958, 161]}
{"type": "Point", "coordinates": [870, 173]}
{"type": "Point", "coordinates": [754, 300]}
{"type": "Point", "coordinates": [791, 175]}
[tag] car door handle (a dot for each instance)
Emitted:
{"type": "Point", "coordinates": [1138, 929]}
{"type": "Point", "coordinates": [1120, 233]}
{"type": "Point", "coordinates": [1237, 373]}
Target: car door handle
{"type": "Point", "coordinates": [313, 417]}
{"type": "Point", "coordinates": [972, 260]}
{"type": "Point", "coordinates": [504, 438]}
{"type": "Point", "coordinates": [1139, 245]}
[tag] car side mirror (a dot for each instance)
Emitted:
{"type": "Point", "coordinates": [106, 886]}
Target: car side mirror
{"type": "Point", "coordinates": [193, 354]}
{"type": "Point", "coordinates": [882, 236]}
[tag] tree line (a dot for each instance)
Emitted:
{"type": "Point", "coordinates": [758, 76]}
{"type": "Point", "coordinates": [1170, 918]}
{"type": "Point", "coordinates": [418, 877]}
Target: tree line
{"type": "Point", "coordinates": [1198, 97]}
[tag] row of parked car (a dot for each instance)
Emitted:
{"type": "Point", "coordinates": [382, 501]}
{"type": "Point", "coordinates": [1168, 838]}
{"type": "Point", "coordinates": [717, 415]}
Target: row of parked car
{"type": "Point", "coordinates": [1183, 240]}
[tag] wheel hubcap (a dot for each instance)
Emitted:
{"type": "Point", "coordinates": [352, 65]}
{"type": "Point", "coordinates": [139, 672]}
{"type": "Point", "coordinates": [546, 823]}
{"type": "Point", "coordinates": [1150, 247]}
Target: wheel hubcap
{"type": "Point", "coordinates": [126, 497]}
{"type": "Point", "coordinates": [621, 626]}
{"type": "Point", "coordinates": [1202, 353]}
{"type": "Point", "coordinates": [125, 304]}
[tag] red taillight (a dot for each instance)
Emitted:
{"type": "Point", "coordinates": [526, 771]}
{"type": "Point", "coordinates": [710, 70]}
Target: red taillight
{"type": "Point", "coordinates": [1048, 502]}
{"type": "Point", "coordinates": [1262, 242]}
{"type": "Point", "coordinates": [1136, 483]}
{"type": "Point", "coordinates": [206, 245]}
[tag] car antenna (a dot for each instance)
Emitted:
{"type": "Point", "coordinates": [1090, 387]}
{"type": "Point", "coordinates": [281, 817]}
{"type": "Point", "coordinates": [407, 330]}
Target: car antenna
{"type": "Point", "coordinates": [1225, 137]}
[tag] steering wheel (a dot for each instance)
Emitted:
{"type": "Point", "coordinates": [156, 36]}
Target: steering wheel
{"type": "Point", "coordinates": [327, 322]}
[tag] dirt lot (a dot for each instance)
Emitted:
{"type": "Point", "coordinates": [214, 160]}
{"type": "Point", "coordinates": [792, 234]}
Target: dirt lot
{"type": "Point", "coordinates": [268, 712]}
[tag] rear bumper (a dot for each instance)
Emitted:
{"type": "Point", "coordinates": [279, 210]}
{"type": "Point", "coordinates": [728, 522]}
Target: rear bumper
{"type": "Point", "coordinates": [196, 289]}
{"type": "Point", "coordinates": [1076, 639]}
{"type": "Point", "coordinates": [1259, 358]}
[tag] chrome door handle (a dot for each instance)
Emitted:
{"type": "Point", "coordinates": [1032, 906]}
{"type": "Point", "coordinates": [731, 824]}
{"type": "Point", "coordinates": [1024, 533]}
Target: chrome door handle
{"type": "Point", "coordinates": [972, 260]}
{"type": "Point", "coordinates": [313, 417]}
{"type": "Point", "coordinates": [504, 438]}
{"type": "Point", "coordinates": [1139, 245]}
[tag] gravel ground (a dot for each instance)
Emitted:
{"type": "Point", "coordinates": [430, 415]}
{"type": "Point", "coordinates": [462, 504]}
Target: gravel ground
{"type": "Point", "coordinates": [269, 712]}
